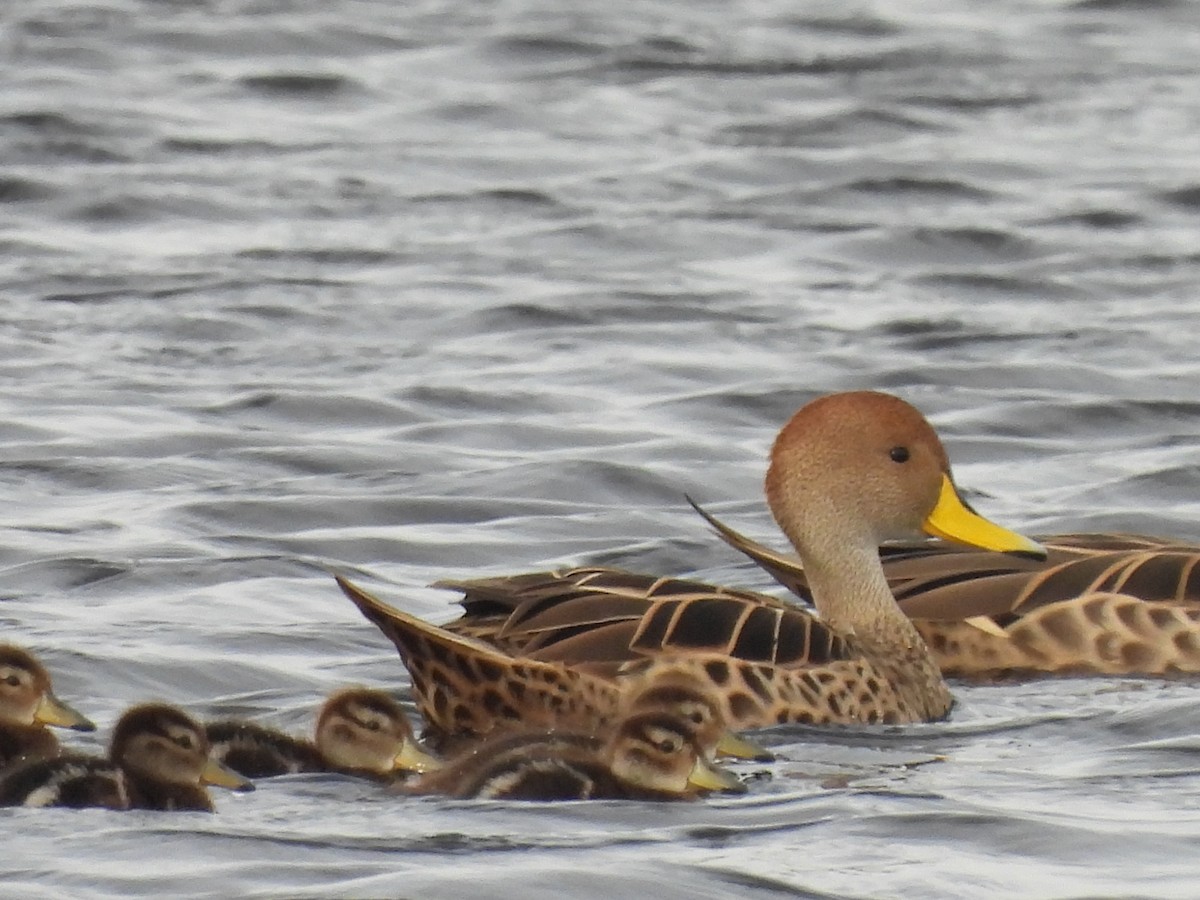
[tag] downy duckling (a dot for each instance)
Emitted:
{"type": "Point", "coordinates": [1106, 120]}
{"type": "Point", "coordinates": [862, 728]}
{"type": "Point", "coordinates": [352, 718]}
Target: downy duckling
{"type": "Point", "coordinates": [158, 759]}
{"type": "Point", "coordinates": [651, 755]}
{"type": "Point", "coordinates": [663, 687]}
{"type": "Point", "coordinates": [359, 732]}
{"type": "Point", "coordinates": [27, 706]}
{"type": "Point", "coordinates": [663, 748]}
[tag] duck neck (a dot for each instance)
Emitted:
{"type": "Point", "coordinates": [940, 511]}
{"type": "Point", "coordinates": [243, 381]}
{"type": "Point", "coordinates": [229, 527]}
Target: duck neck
{"type": "Point", "coordinates": [851, 592]}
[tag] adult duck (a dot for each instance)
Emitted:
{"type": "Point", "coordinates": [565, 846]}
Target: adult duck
{"type": "Point", "coordinates": [848, 472]}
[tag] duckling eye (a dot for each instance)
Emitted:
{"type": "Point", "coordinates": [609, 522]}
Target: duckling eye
{"type": "Point", "coordinates": [899, 454]}
{"type": "Point", "coordinates": [184, 741]}
{"type": "Point", "coordinates": [373, 725]}
{"type": "Point", "coordinates": [12, 681]}
{"type": "Point", "coordinates": [668, 746]}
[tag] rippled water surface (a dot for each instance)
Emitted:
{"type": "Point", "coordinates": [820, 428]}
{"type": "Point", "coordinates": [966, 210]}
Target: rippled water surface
{"type": "Point", "coordinates": [432, 289]}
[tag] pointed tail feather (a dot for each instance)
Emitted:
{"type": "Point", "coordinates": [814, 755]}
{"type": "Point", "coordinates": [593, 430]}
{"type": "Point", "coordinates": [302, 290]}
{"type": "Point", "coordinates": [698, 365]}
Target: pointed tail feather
{"type": "Point", "coordinates": [465, 685]}
{"type": "Point", "coordinates": [784, 568]}
{"type": "Point", "coordinates": [405, 630]}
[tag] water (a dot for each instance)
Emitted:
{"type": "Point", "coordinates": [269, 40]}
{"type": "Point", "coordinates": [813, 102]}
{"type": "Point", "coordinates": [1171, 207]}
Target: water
{"type": "Point", "coordinates": [437, 289]}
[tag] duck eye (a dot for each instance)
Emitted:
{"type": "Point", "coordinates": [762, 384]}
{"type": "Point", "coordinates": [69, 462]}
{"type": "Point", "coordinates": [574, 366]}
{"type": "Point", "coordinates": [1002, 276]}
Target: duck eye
{"type": "Point", "coordinates": [668, 746]}
{"type": "Point", "coordinates": [899, 454]}
{"type": "Point", "coordinates": [373, 725]}
{"type": "Point", "coordinates": [184, 741]}
{"type": "Point", "coordinates": [12, 681]}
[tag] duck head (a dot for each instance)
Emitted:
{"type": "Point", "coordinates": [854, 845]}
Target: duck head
{"type": "Point", "coordinates": [365, 729]}
{"type": "Point", "coordinates": [26, 697]}
{"type": "Point", "coordinates": [866, 467]}
{"type": "Point", "coordinates": [161, 743]}
{"type": "Point", "coordinates": [656, 751]}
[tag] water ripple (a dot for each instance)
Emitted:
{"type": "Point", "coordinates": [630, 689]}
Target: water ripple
{"type": "Point", "coordinates": [418, 291]}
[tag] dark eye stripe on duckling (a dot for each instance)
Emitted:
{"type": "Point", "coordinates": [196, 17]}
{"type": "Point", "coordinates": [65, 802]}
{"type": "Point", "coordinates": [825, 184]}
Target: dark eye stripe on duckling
{"type": "Point", "coordinates": [17, 667]}
{"type": "Point", "coordinates": [185, 737]}
{"type": "Point", "coordinates": [672, 696]}
{"type": "Point", "coordinates": [16, 658]}
{"type": "Point", "coordinates": [161, 721]}
{"type": "Point", "coordinates": [659, 728]}
{"type": "Point", "coordinates": [371, 712]}
{"type": "Point", "coordinates": [743, 631]}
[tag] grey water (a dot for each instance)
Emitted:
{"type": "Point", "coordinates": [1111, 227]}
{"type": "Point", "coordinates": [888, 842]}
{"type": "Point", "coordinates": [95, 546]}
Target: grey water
{"type": "Point", "coordinates": [436, 289]}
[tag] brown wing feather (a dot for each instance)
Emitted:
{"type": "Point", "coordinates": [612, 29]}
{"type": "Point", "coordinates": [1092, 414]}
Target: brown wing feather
{"type": "Point", "coordinates": [605, 645]}
{"type": "Point", "coordinates": [604, 615]}
{"type": "Point", "coordinates": [1100, 603]}
{"type": "Point", "coordinates": [570, 612]}
{"type": "Point", "coordinates": [464, 685]}
{"type": "Point", "coordinates": [783, 567]}
{"type": "Point", "coordinates": [939, 580]}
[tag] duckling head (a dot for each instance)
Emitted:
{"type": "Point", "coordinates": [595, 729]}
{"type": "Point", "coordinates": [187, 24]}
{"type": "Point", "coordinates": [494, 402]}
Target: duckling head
{"type": "Point", "coordinates": [680, 694]}
{"type": "Point", "coordinates": [365, 729]}
{"type": "Point", "coordinates": [865, 467]}
{"type": "Point", "coordinates": [657, 751]}
{"type": "Point", "coordinates": [26, 697]}
{"type": "Point", "coordinates": [161, 743]}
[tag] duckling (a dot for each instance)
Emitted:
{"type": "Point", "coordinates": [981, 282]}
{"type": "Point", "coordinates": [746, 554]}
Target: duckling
{"type": "Point", "coordinates": [359, 732]}
{"type": "Point", "coordinates": [651, 755]}
{"type": "Point", "coordinates": [656, 704]}
{"type": "Point", "coordinates": [675, 691]}
{"type": "Point", "coordinates": [158, 759]}
{"type": "Point", "coordinates": [27, 706]}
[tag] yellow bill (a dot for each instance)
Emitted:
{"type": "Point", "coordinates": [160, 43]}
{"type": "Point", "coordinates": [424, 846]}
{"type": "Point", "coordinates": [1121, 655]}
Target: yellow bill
{"type": "Point", "coordinates": [735, 745]}
{"type": "Point", "coordinates": [953, 520]}
{"type": "Point", "coordinates": [412, 758]}
{"type": "Point", "coordinates": [709, 777]}
{"type": "Point", "coordinates": [222, 776]}
{"type": "Point", "coordinates": [52, 711]}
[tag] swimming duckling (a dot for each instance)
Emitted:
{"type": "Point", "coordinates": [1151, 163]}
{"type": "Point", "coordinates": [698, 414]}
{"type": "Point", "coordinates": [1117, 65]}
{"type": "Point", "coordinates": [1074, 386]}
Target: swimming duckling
{"type": "Point", "coordinates": [27, 706]}
{"type": "Point", "coordinates": [359, 732]}
{"type": "Point", "coordinates": [673, 690]}
{"type": "Point", "coordinates": [666, 719]}
{"type": "Point", "coordinates": [651, 755]}
{"type": "Point", "coordinates": [158, 759]}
